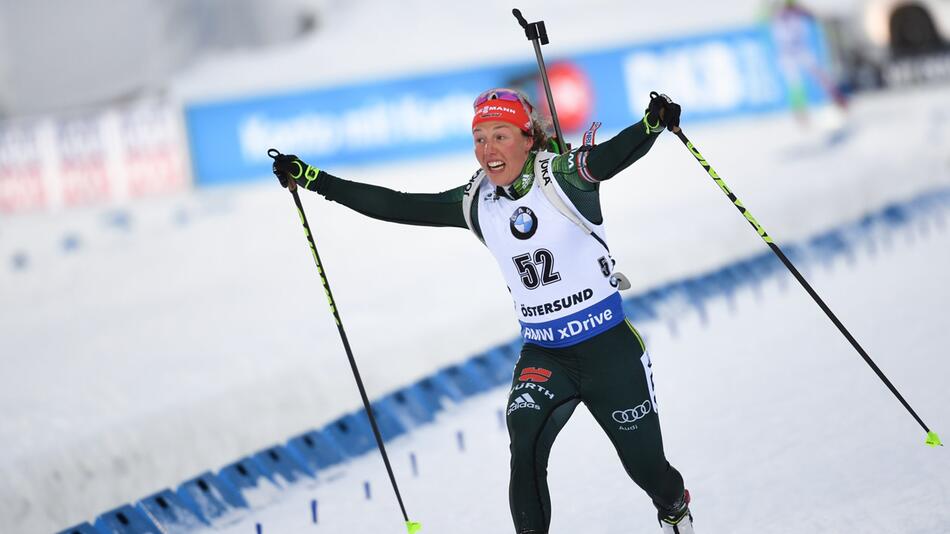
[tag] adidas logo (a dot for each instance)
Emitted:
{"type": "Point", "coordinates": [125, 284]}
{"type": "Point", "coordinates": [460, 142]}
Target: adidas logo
{"type": "Point", "coordinates": [523, 401]}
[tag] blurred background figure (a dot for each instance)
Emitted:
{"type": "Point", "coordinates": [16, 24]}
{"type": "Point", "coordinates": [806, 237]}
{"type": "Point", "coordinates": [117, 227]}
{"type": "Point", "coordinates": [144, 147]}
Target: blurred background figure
{"type": "Point", "coordinates": [795, 30]}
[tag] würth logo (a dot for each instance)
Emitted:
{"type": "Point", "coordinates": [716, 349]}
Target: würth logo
{"type": "Point", "coordinates": [534, 374]}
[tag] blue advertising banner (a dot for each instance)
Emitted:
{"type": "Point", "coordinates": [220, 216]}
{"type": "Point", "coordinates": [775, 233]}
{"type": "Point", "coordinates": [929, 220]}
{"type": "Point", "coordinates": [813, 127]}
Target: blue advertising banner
{"type": "Point", "coordinates": [712, 76]}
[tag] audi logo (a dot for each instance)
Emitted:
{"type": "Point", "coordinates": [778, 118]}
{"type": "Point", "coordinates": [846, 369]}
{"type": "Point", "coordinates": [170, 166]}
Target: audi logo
{"type": "Point", "coordinates": [633, 414]}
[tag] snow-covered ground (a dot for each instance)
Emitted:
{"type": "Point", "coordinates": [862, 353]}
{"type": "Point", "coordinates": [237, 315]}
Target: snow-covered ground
{"type": "Point", "coordinates": [181, 334]}
{"type": "Point", "coordinates": [775, 421]}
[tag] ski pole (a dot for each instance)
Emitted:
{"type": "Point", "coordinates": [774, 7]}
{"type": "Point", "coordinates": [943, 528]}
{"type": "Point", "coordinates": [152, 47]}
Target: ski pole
{"type": "Point", "coordinates": [932, 439]}
{"type": "Point", "coordinates": [536, 32]}
{"type": "Point", "coordinates": [411, 526]}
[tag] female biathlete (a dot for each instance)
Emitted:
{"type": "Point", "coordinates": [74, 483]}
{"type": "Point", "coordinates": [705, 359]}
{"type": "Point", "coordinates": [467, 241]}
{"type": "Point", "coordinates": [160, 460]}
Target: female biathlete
{"type": "Point", "coordinates": [539, 214]}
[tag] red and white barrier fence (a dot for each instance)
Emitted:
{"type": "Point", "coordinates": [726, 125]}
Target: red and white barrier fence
{"type": "Point", "coordinates": [95, 157]}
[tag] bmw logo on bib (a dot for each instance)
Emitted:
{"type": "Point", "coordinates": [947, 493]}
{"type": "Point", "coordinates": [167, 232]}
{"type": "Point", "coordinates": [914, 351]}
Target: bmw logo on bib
{"type": "Point", "coordinates": [523, 223]}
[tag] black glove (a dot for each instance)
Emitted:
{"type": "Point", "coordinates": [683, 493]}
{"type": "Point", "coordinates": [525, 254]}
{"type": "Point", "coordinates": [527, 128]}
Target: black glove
{"type": "Point", "coordinates": [289, 167]}
{"type": "Point", "coordinates": [661, 113]}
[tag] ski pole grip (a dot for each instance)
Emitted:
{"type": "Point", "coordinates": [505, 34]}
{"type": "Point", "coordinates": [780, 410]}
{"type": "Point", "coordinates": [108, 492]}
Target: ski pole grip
{"type": "Point", "coordinates": [273, 153]}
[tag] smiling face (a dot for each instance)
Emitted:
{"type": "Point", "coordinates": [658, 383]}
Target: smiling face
{"type": "Point", "coordinates": [501, 150]}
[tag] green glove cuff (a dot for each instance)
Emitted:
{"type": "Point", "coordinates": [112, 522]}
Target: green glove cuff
{"type": "Point", "coordinates": [307, 177]}
{"type": "Point", "coordinates": [652, 128]}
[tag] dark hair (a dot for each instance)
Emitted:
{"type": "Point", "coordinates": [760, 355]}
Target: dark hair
{"type": "Point", "coordinates": [541, 139]}
{"type": "Point", "coordinates": [539, 126]}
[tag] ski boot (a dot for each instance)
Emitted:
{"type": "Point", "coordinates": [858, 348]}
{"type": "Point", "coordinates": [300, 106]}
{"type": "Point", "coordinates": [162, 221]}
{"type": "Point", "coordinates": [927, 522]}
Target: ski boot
{"type": "Point", "coordinates": [679, 520]}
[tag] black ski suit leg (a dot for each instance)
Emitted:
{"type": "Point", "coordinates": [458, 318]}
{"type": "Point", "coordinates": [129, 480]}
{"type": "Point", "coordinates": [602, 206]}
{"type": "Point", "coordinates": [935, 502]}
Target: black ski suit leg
{"type": "Point", "coordinates": [617, 388]}
{"type": "Point", "coordinates": [542, 399]}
